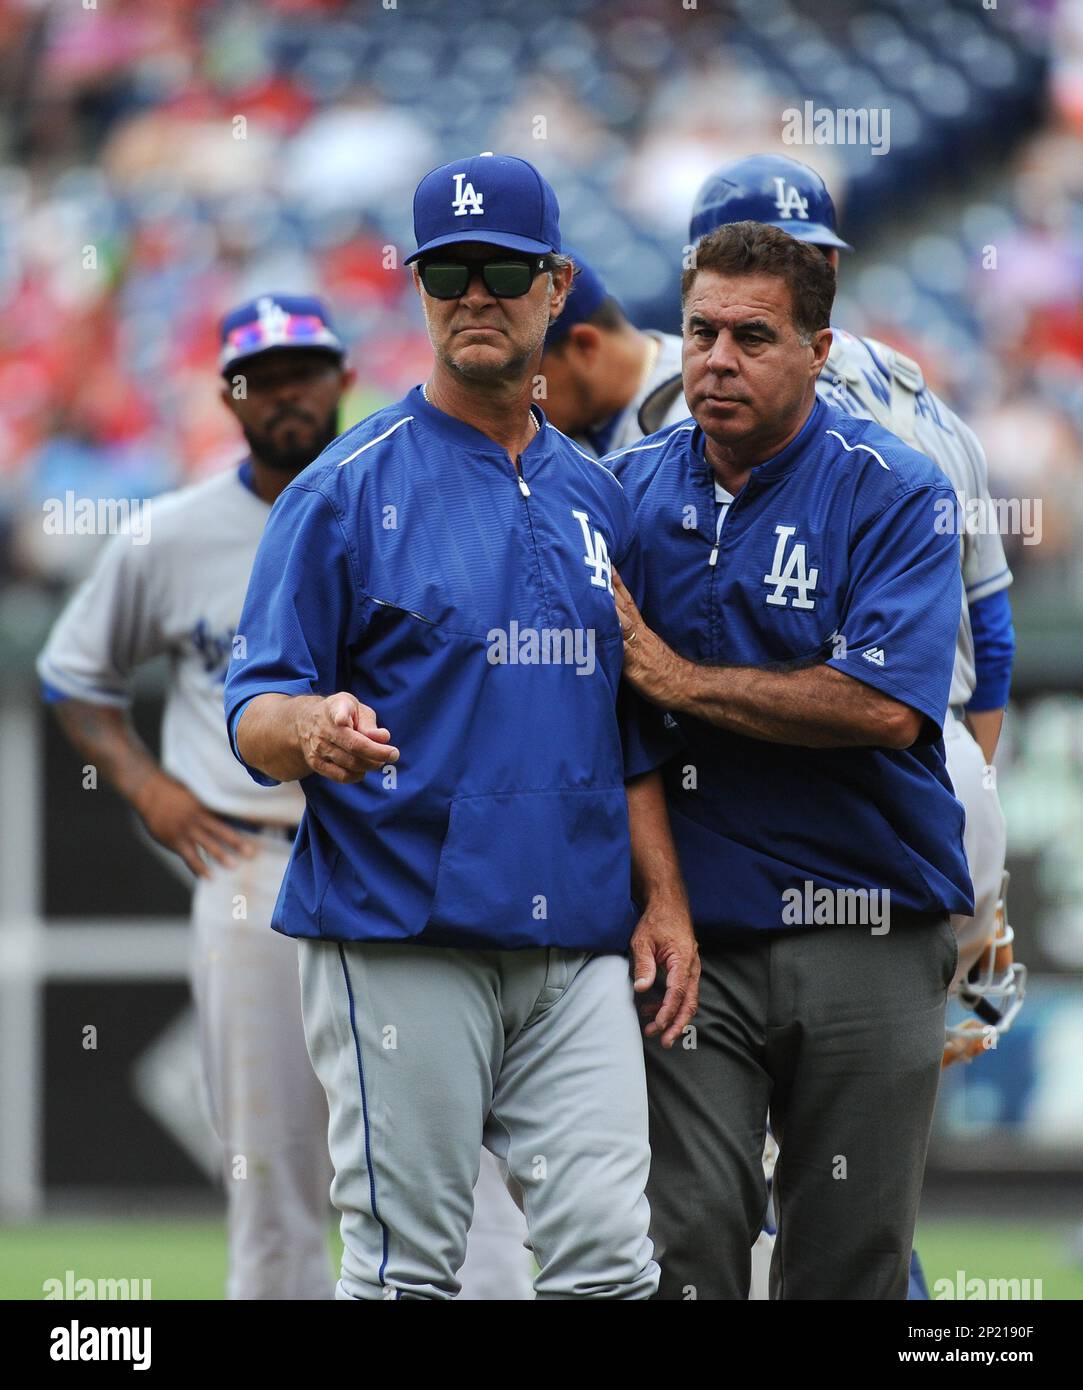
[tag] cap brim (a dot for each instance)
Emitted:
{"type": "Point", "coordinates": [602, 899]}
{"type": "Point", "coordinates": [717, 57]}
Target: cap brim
{"type": "Point", "coordinates": [815, 232]}
{"type": "Point", "coordinates": [326, 348]}
{"type": "Point", "coordinates": [505, 239]}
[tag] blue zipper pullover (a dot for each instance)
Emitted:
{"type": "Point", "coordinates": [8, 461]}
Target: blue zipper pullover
{"type": "Point", "coordinates": [842, 548]}
{"type": "Point", "coordinates": [412, 566]}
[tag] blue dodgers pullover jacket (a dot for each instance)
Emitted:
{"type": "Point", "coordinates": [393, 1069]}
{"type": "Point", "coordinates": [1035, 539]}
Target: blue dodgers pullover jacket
{"type": "Point", "coordinates": [842, 548]}
{"type": "Point", "coordinates": [472, 610]}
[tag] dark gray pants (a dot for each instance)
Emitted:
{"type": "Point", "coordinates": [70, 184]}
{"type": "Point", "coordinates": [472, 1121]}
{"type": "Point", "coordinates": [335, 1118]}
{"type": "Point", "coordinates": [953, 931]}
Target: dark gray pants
{"type": "Point", "coordinates": [837, 1033]}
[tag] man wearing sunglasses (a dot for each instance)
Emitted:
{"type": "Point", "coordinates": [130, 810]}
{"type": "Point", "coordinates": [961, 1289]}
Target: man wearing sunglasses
{"type": "Point", "coordinates": [431, 647]}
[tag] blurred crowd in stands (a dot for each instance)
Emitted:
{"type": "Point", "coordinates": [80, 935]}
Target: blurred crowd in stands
{"type": "Point", "coordinates": [160, 160]}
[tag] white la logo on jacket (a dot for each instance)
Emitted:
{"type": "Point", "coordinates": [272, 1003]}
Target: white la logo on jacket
{"type": "Point", "coordinates": [790, 571]}
{"type": "Point", "coordinates": [466, 200]}
{"type": "Point", "coordinates": [597, 553]}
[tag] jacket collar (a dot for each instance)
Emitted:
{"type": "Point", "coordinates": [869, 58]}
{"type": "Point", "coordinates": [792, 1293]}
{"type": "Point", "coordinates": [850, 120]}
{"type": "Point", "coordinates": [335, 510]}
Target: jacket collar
{"type": "Point", "coordinates": [465, 436]}
{"type": "Point", "coordinates": [784, 461]}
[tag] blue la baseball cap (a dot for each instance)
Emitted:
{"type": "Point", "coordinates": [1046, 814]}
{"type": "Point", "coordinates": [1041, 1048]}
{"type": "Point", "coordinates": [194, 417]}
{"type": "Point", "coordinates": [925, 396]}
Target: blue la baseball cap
{"type": "Point", "coordinates": [781, 192]}
{"type": "Point", "coordinates": [585, 297]}
{"type": "Point", "coordinates": [493, 198]}
{"type": "Point", "coordinates": [275, 321]}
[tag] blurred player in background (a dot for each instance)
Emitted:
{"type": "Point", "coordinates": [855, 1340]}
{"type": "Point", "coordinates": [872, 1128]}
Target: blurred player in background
{"type": "Point", "coordinates": [599, 368]}
{"type": "Point", "coordinates": [180, 594]}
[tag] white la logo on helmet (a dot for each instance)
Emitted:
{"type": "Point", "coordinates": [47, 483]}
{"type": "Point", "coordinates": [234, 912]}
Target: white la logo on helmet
{"type": "Point", "coordinates": [466, 200]}
{"type": "Point", "coordinates": [788, 200]}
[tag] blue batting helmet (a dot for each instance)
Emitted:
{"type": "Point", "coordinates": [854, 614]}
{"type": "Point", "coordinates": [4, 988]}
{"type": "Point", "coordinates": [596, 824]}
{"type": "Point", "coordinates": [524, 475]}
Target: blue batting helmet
{"type": "Point", "coordinates": [767, 188]}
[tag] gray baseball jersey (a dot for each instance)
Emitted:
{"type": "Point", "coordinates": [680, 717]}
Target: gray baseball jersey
{"type": "Point", "coordinates": [627, 429]}
{"type": "Point", "coordinates": [181, 594]}
{"type": "Point", "coordinates": [872, 381]}
{"type": "Point", "coordinates": [868, 379]}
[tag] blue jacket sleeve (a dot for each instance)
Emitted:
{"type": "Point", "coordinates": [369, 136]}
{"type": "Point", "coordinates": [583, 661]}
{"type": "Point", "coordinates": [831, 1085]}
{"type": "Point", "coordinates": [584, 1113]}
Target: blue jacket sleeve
{"type": "Point", "coordinates": [901, 611]}
{"type": "Point", "coordinates": [994, 651]}
{"type": "Point", "coordinates": [301, 610]}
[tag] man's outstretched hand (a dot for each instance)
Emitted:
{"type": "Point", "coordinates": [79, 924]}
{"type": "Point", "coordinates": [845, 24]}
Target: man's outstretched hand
{"type": "Point", "coordinates": [341, 738]}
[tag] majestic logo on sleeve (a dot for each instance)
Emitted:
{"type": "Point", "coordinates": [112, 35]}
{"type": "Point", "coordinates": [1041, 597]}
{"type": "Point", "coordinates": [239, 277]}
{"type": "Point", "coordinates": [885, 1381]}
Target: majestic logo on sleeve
{"type": "Point", "coordinates": [597, 553]}
{"type": "Point", "coordinates": [789, 202]}
{"type": "Point", "coordinates": [466, 200]}
{"type": "Point", "coordinates": [790, 572]}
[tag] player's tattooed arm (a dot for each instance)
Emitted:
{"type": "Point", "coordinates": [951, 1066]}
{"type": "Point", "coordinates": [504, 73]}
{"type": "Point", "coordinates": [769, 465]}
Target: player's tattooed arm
{"type": "Point", "coordinates": [290, 736]}
{"type": "Point", "coordinates": [106, 737]}
{"type": "Point", "coordinates": [810, 707]}
{"type": "Point", "coordinates": [664, 937]}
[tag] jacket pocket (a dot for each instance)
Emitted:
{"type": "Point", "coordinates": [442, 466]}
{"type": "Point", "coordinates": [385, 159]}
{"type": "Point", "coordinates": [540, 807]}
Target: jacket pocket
{"type": "Point", "coordinates": [544, 868]}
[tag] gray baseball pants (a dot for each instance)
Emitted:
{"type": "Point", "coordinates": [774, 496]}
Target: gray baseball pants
{"type": "Point", "coordinates": [425, 1054]}
{"type": "Point", "coordinates": [838, 1034]}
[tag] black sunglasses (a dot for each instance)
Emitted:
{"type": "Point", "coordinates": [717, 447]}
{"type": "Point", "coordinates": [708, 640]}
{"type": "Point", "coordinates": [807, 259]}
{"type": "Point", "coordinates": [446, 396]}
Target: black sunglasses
{"type": "Point", "coordinates": [507, 277]}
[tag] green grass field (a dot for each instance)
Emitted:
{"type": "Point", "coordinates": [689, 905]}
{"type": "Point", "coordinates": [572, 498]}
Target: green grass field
{"type": "Point", "coordinates": [187, 1259]}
